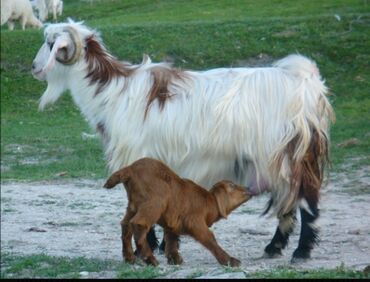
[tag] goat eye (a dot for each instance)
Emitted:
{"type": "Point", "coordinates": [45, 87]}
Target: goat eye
{"type": "Point", "coordinates": [51, 45]}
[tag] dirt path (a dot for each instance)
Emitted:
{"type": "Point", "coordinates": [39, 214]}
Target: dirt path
{"type": "Point", "coordinates": [82, 219]}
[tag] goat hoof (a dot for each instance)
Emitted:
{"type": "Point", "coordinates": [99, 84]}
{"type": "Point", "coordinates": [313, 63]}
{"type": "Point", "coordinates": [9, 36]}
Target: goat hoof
{"type": "Point", "coordinates": [174, 260]}
{"type": "Point", "coordinates": [300, 255]}
{"type": "Point", "coordinates": [151, 261]}
{"type": "Point", "coordinates": [272, 252]}
{"type": "Point", "coordinates": [233, 262]}
{"type": "Point", "coordinates": [130, 260]}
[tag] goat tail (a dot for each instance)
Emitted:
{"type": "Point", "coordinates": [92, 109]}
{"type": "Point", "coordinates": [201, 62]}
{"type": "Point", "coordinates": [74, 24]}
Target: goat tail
{"type": "Point", "coordinates": [120, 176]}
{"type": "Point", "coordinates": [303, 153]}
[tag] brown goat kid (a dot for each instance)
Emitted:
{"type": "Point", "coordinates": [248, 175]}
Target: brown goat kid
{"type": "Point", "coordinates": [157, 195]}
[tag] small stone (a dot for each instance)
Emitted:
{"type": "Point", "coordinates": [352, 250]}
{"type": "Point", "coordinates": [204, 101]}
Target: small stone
{"type": "Point", "coordinates": [349, 142]}
{"type": "Point", "coordinates": [36, 229]}
{"type": "Point", "coordinates": [228, 275]}
{"type": "Point", "coordinates": [253, 231]}
{"type": "Point", "coordinates": [354, 232]}
{"type": "Point", "coordinates": [84, 273]}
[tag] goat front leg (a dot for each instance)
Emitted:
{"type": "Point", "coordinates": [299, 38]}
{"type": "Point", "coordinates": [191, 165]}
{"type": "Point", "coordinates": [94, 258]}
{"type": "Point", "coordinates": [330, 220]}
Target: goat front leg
{"type": "Point", "coordinates": [10, 25]}
{"type": "Point", "coordinates": [172, 248]}
{"type": "Point", "coordinates": [204, 236]}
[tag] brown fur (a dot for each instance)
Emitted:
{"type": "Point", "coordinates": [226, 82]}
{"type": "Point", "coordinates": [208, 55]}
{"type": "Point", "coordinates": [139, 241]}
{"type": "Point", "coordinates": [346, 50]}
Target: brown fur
{"type": "Point", "coordinates": [100, 128]}
{"type": "Point", "coordinates": [313, 166]}
{"type": "Point", "coordinates": [307, 175]}
{"type": "Point", "coordinates": [157, 195]}
{"type": "Point", "coordinates": [162, 78]}
{"type": "Point", "coordinates": [103, 67]}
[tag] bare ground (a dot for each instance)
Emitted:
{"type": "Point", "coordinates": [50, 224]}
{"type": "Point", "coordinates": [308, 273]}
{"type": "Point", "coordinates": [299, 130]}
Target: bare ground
{"type": "Point", "coordinates": [80, 218]}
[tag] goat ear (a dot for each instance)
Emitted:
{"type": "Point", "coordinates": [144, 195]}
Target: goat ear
{"type": "Point", "coordinates": [222, 201]}
{"type": "Point", "coordinates": [60, 42]}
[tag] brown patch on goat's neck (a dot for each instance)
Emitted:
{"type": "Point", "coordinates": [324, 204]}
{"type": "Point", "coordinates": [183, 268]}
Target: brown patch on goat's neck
{"type": "Point", "coordinates": [102, 67]}
{"type": "Point", "coordinates": [162, 78]}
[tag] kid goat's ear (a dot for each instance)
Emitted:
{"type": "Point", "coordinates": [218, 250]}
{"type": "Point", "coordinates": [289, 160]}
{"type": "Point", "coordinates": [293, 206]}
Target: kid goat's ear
{"type": "Point", "coordinates": [221, 199]}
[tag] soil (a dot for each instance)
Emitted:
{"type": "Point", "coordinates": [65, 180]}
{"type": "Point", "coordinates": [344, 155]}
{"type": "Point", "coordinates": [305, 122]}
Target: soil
{"type": "Point", "coordinates": [80, 218]}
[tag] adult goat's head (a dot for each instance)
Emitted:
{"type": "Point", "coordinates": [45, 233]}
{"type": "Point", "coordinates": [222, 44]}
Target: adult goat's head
{"type": "Point", "coordinates": [63, 47]}
{"type": "Point", "coordinates": [62, 44]}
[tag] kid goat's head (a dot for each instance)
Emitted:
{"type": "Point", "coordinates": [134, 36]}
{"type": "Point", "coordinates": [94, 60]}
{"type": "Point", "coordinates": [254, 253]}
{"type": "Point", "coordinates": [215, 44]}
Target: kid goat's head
{"type": "Point", "coordinates": [229, 196]}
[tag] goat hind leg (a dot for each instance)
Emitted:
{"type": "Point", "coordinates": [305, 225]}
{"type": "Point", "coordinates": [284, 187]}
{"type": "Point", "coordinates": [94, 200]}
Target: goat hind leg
{"type": "Point", "coordinates": [309, 232]}
{"type": "Point", "coordinates": [162, 246]}
{"type": "Point", "coordinates": [146, 253]}
{"type": "Point", "coordinates": [126, 237]}
{"type": "Point", "coordinates": [172, 248]}
{"type": "Point", "coordinates": [147, 215]}
{"type": "Point", "coordinates": [282, 233]}
{"type": "Point", "coordinates": [151, 239]}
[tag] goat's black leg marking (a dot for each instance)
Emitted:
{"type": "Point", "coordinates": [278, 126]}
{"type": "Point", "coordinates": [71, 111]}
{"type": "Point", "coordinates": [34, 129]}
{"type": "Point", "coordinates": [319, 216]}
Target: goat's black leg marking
{"type": "Point", "coordinates": [162, 246]}
{"type": "Point", "coordinates": [152, 241]}
{"type": "Point", "coordinates": [309, 232]}
{"type": "Point", "coordinates": [281, 237]}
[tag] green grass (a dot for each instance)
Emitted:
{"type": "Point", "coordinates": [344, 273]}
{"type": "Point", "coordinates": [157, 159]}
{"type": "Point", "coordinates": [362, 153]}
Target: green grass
{"type": "Point", "coordinates": [196, 35]}
{"type": "Point", "coordinates": [340, 272]}
{"type": "Point", "coordinates": [44, 266]}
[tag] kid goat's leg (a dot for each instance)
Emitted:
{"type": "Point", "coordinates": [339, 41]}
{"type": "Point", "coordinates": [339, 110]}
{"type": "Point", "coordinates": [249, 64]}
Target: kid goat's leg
{"type": "Point", "coordinates": [126, 237]}
{"type": "Point", "coordinates": [147, 215]}
{"type": "Point", "coordinates": [172, 248]}
{"type": "Point", "coordinates": [204, 236]}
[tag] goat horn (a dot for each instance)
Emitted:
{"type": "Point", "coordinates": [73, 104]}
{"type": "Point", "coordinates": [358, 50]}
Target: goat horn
{"type": "Point", "coordinates": [77, 44]}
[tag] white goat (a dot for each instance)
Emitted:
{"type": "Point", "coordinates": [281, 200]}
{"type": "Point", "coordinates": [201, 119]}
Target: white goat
{"type": "Point", "coordinates": [46, 7]}
{"type": "Point", "coordinates": [266, 128]}
{"type": "Point", "coordinates": [14, 10]}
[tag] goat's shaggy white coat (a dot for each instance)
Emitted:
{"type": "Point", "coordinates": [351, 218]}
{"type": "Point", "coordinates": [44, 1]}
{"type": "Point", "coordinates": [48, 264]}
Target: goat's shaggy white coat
{"type": "Point", "coordinates": [46, 7]}
{"type": "Point", "coordinates": [215, 122]}
{"type": "Point", "coordinates": [14, 10]}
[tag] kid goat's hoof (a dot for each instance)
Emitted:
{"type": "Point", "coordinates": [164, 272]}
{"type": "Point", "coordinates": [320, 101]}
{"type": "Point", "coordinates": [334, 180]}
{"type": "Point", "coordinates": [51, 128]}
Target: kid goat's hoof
{"type": "Point", "coordinates": [174, 260]}
{"type": "Point", "coordinates": [233, 262]}
{"type": "Point", "coordinates": [130, 260]}
{"type": "Point", "coordinates": [151, 261]}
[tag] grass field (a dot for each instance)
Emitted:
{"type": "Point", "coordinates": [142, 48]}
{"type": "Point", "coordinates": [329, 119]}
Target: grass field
{"type": "Point", "coordinates": [44, 266]}
{"type": "Point", "coordinates": [195, 35]}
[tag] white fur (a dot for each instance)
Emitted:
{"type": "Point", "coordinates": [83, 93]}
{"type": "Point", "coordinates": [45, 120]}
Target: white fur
{"type": "Point", "coordinates": [14, 10]}
{"type": "Point", "coordinates": [215, 118]}
{"type": "Point", "coordinates": [46, 7]}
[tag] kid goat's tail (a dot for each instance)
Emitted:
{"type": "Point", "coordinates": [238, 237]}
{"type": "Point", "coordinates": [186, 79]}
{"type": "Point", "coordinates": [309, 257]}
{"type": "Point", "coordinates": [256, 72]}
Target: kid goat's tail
{"type": "Point", "coordinates": [120, 176]}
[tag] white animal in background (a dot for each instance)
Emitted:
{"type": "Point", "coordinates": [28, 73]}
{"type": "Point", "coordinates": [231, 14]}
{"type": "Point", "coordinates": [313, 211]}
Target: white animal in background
{"type": "Point", "coordinates": [46, 7]}
{"type": "Point", "coordinates": [266, 127]}
{"type": "Point", "coordinates": [18, 10]}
